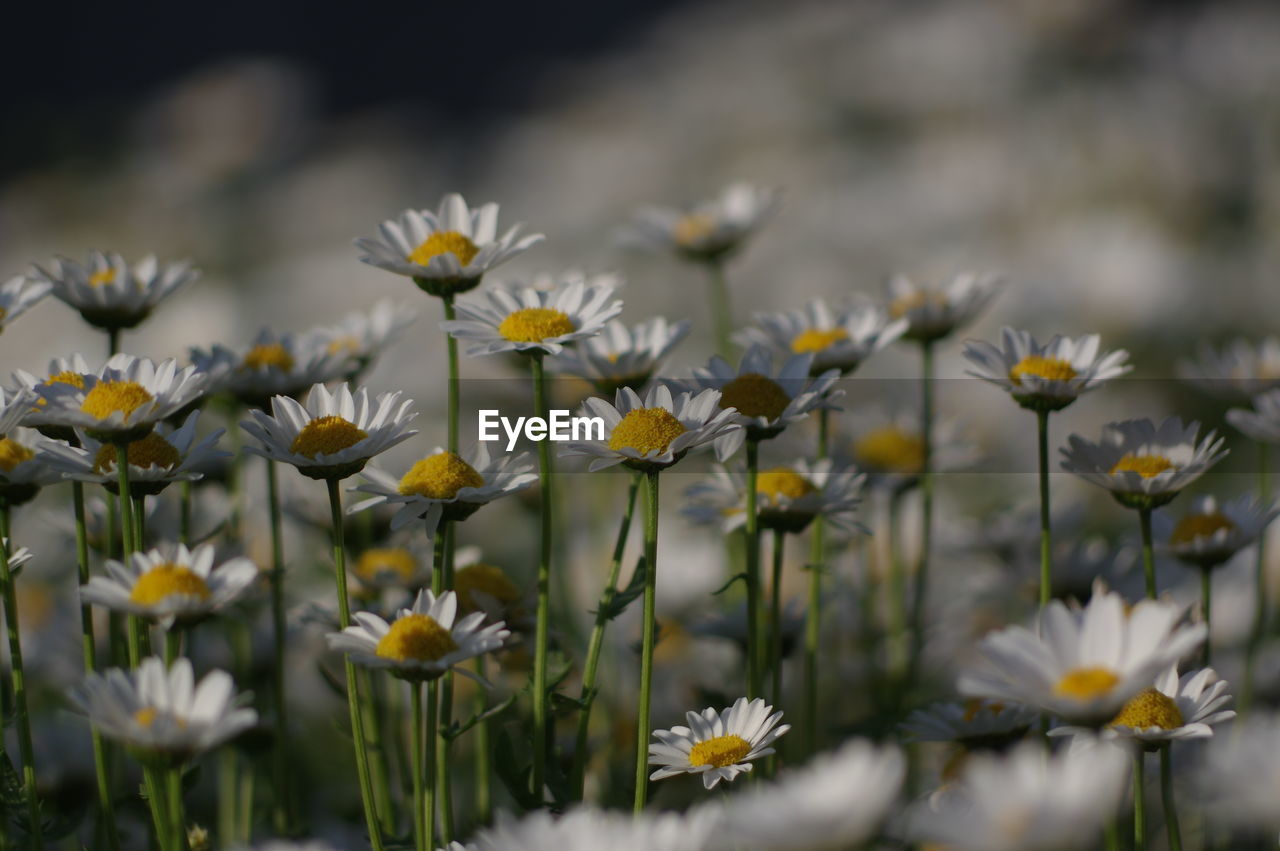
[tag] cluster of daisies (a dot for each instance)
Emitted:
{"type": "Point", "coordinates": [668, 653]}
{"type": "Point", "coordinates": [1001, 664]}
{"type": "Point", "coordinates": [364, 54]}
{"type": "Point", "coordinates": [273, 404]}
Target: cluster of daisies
{"type": "Point", "coordinates": [1052, 723]}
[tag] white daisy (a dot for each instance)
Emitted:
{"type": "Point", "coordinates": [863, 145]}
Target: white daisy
{"type": "Point", "coordinates": [446, 252]}
{"type": "Point", "coordinates": [1173, 709]}
{"type": "Point", "coordinates": [1209, 534]}
{"type": "Point", "coordinates": [171, 584]}
{"type": "Point", "coordinates": [837, 338]}
{"type": "Point", "coordinates": [272, 365]}
{"type": "Point", "coordinates": [362, 335]}
{"type": "Point", "coordinates": [765, 402]}
{"type": "Point", "coordinates": [1142, 464]}
{"type": "Point", "coordinates": [533, 321]}
{"type": "Point", "coordinates": [166, 455]}
{"type": "Point", "coordinates": [122, 401]}
{"type": "Point", "coordinates": [1082, 665]}
{"type": "Point", "coordinates": [334, 434]}
{"type": "Point", "coordinates": [422, 642]}
{"type": "Point", "coordinates": [111, 293]}
{"type": "Point", "coordinates": [977, 723]}
{"type": "Point", "coordinates": [19, 294]}
{"type": "Point", "coordinates": [381, 568]}
{"type": "Point", "coordinates": [25, 466]}
{"type": "Point", "coordinates": [708, 231]}
{"type": "Point", "coordinates": [589, 829]}
{"type": "Point", "coordinates": [1240, 775]}
{"type": "Point", "coordinates": [164, 714]}
{"type": "Point", "coordinates": [789, 497]}
{"type": "Point", "coordinates": [717, 745]}
{"type": "Point", "coordinates": [621, 356]}
{"type": "Point", "coordinates": [655, 431]}
{"type": "Point", "coordinates": [890, 447]}
{"type": "Point", "coordinates": [1263, 422]}
{"type": "Point", "coordinates": [1044, 377]}
{"type": "Point", "coordinates": [933, 313]}
{"type": "Point", "coordinates": [487, 588]}
{"type": "Point", "coordinates": [446, 486]}
{"type": "Point", "coordinates": [1238, 372]}
{"type": "Point", "coordinates": [70, 370]}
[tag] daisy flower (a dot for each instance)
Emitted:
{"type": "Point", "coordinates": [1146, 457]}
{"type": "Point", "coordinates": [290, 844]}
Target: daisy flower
{"type": "Point", "coordinates": [422, 642]}
{"type": "Point", "coordinates": [272, 365]}
{"type": "Point", "coordinates": [890, 448]}
{"type": "Point", "coordinates": [837, 338]}
{"type": "Point", "coordinates": [334, 434]}
{"type": "Point", "coordinates": [17, 295]}
{"type": "Point", "coordinates": [1142, 464]}
{"type": "Point", "coordinates": [164, 714]}
{"type": "Point", "coordinates": [362, 335]}
{"type": "Point", "coordinates": [1209, 534]}
{"type": "Point", "coordinates": [1082, 665]}
{"type": "Point", "coordinates": [717, 745]}
{"type": "Point", "coordinates": [1238, 371]}
{"type": "Point", "coordinates": [487, 588]}
{"type": "Point", "coordinates": [166, 455]}
{"type": "Point", "coordinates": [111, 293]}
{"type": "Point", "coordinates": [588, 829]}
{"type": "Point", "coordinates": [789, 497]}
{"type": "Point", "coordinates": [446, 486]}
{"type": "Point", "coordinates": [765, 402]}
{"type": "Point", "coordinates": [171, 585]}
{"type": "Point", "coordinates": [976, 724]}
{"type": "Point", "coordinates": [621, 356]}
{"type": "Point", "coordinates": [379, 568]}
{"type": "Point", "coordinates": [709, 231]}
{"type": "Point", "coordinates": [1172, 709]}
{"type": "Point", "coordinates": [933, 313]}
{"type": "Point", "coordinates": [533, 321]}
{"type": "Point", "coordinates": [25, 465]}
{"type": "Point", "coordinates": [655, 431]}
{"type": "Point", "coordinates": [1239, 775]}
{"type": "Point", "coordinates": [446, 252]}
{"type": "Point", "coordinates": [1044, 377]}
{"type": "Point", "coordinates": [70, 370]}
{"type": "Point", "coordinates": [1263, 422]}
{"type": "Point", "coordinates": [122, 402]}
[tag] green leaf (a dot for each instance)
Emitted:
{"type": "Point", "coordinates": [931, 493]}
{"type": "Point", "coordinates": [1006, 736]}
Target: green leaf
{"type": "Point", "coordinates": [456, 729]}
{"type": "Point", "coordinates": [624, 598]}
{"type": "Point", "coordinates": [514, 773]}
{"type": "Point", "coordinates": [732, 579]}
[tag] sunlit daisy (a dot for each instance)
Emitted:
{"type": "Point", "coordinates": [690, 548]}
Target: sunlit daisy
{"type": "Point", "coordinates": [70, 370]}
{"type": "Point", "coordinates": [655, 431]}
{"type": "Point", "coordinates": [1082, 665]}
{"type": "Point", "coordinates": [1239, 776]}
{"type": "Point", "coordinates": [935, 312]}
{"type": "Point", "coordinates": [362, 335]}
{"type": "Point", "coordinates": [1238, 371]}
{"type": "Point", "coordinates": [164, 713]}
{"type": "Point", "coordinates": [448, 251]}
{"type": "Point", "coordinates": [423, 641]}
{"type": "Point", "coordinates": [111, 293]}
{"type": "Point", "coordinates": [1210, 533]}
{"type": "Point", "coordinates": [788, 497]}
{"type": "Point", "coordinates": [622, 356]}
{"type": "Point", "coordinates": [19, 294]}
{"type": "Point", "coordinates": [977, 723]}
{"type": "Point", "coordinates": [171, 584]}
{"type": "Point", "coordinates": [272, 365]}
{"type": "Point", "coordinates": [710, 230]}
{"type": "Point", "coordinates": [1173, 709]}
{"type": "Point", "coordinates": [717, 745]}
{"type": "Point", "coordinates": [24, 462]}
{"type": "Point", "coordinates": [334, 434]}
{"type": "Point", "coordinates": [1044, 377]}
{"type": "Point", "coordinates": [1262, 423]}
{"type": "Point", "coordinates": [837, 338]}
{"type": "Point", "coordinates": [533, 321]}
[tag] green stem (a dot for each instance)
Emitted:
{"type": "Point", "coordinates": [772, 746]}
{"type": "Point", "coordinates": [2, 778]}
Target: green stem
{"type": "Point", "coordinates": [444, 786]}
{"type": "Point", "coordinates": [483, 804]}
{"type": "Point", "coordinates": [540, 732]}
{"type": "Point", "coordinates": [172, 646]}
{"type": "Point", "coordinates": [21, 716]}
{"type": "Point", "coordinates": [926, 512]}
{"type": "Point", "coordinates": [812, 623]}
{"type": "Point", "coordinates": [184, 526]}
{"type": "Point", "coordinates": [126, 502]}
{"type": "Point", "coordinates": [755, 680]}
{"type": "Point", "coordinates": [1111, 835]}
{"type": "Point", "coordinates": [596, 644]}
{"type": "Point", "coordinates": [370, 706]}
{"type": "Point", "coordinates": [421, 841]}
{"type": "Point", "coordinates": [897, 616]}
{"type": "Point", "coordinates": [775, 617]}
{"type": "Point", "coordinates": [646, 651]}
{"type": "Point", "coordinates": [1148, 551]}
{"type": "Point", "coordinates": [353, 697]}
{"type": "Point", "coordinates": [452, 343]}
{"type": "Point", "coordinates": [281, 814]}
{"type": "Point", "coordinates": [429, 771]}
{"type": "Point", "coordinates": [1046, 548]}
{"type": "Point", "coordinates": [721, 313]}
{"type": "Point", "coordinates": [177, 821]}
{"type": "Point", "coordinates": [113, 341]}
{"type": "Point", "coordinates": [1139, 802]}
{"type": "Point", "coordinates": [1259, 627]}
{"type": "Point", "coordinates": [1206, 609]}
{"type": "Point", "coordinates": [1166, 797]}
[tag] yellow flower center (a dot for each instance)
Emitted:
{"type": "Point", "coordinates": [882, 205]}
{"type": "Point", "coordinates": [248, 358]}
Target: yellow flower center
{"type": "Point", "coordinates": [339, 345]}
{"type": "Point", "coordinates": [103, 276]}
{"type": "Point", "coordinates": [108, 397]}
{"type": "Point", "coordinates": [783, 481]}
{"type": "Point", "coordinates": [486, 579]}
{"type": "Point", "coordinates": [892, 449]}
{"type": "Point", "coordinates": [147, 715]}
{"type": "Point", "coordinates": [976, 705]}
{"type": "Point", "coordinates": [327, 435]}
{"type": "Point", "coordinates": [75, 379]}
{"type": "Point", "coordinates": [719, 752]}
{"type": "Point", "coordinates": [1086, 683]}
{"type": "Point", "coordinates": [13, 453]}
{"type": "Point", "coordinates": [535, 324]}
{"type": "Point", "coordinates": [267, 356]}
{"type": "Point", "coordinates": [168, 580]}
{"type": "Point", "coordinates": [817, 339]}
{"type": "Point", "coordinates": [1150, 708]}
{"type": "Point", "coordinates": [903, 305]}
{"type": "Point", "coordinates": [395, 560]}
{"type": "Point", "coordinates": [440, 476]}
{"type": "Point", "coordinates": [416, 637]}
{"type": "Point", "coordinates": [1199, 526]}
{"type": "Point", "coordinates": [1050, 369]}
{"type": "Point", "coordinates": [755, 395]}
{"type": "Point", "coordinates": [646, 430]}
{"type": "Point", "coordinates": [152, 451]}
{"type": "Point", "coordinates": [693, 228]}
{"type": "Point", "coordinates": [1146, 466]}
{"type": "Point", "coordinates": [445, 242]}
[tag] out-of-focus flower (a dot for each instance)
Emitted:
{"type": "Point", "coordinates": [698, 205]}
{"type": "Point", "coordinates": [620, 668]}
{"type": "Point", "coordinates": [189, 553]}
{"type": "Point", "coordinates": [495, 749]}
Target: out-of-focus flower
{"type": "Point", "coordinates": [1210, 534]}
{"type": "Point", "coordinates": [890, 448]}
{"type": "Point", "coordinates": [589, 829]}
{"type": "Point", "coordinates": [977, 724]}
{"type": "Point", "coordinates": [717, 745]}
{"type": "Point", "coordinates": [533, 321]}
{"type": "Point", "coordinates": [1044, 377]}
{"type": "Point", "coordinates": [19, 294]}
{"type": "Point", "coordinates": [111, 293]}
{"type": "Point", "coordinates": [25, 463]}
{"type": "Point", "coordinates": [362, 335]}
{"type": "Point", "coordinates": [379, 568]}
{"type": "Point", "coordinates": [1263, 422]}
{"type": "Point", "coordinates": [1240, 774]}
{"type": "Point", "coordinates": [1238, 372]}
{"type": "Point", "coordinates": [1172, 709]}
{"type": "Point", "coordinates": [709, 231]}
{"type": "Point", "coordinates": [620, 356]}
{"type": "Point", "coordinates": [933, 313]}
{"type": "Point", "coordinates": [837, 338]}
{"type": "Point", "coordinates": [790, 497]}
{"type": "Point", "coordinates": [272, 365]}
{"type": "Point", "coordinates": [70, 370]}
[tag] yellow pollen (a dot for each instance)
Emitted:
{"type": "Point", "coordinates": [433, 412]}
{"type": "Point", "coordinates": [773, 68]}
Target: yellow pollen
{"type": "Point", "coordinates": [147, 715]}
{"type": "Point", "coordinates": [818, 339]}
{"type": "Point", "coordinates": [1086, 683]}
{"type": "Point", "coordinates": [783, 481]}
{"type": "Point", "coordinates": [416, 637]}
{"type": "Point", "coordinates": [152, 451]}
{"type": "Point", "coordinates": [1199, 526]}
{"type": "Point", "coordinates": [720, 751]}
{"type": "Point", "coordinates": [268, 356]}
{"type": "Point", "coordinates": [1149, 708]}
{"type": "Point", "coordinates": [108, 397]}
{"type": "Point", "coordinates": [755, 395]}
{"type": "Point", "coordinates": [168, 580]}
{"type": "Point", "coordinates": [535, 324]}
{"type": "Point", "coordinates": [394, 560]}
{"type": "Point", "coordinates": [1050, 369]}
{"type": "Point", "coordinates": [646, 430]}
{"type": "Point", "coordinates": [75, 379]}
{"type": "Point", "coordinates": [103, 276]}
{"type": "Point", "coordinates": [1146, 466]}
{"type": "Point", "coordinates": [339, 345]}
{"type": "Point", "coordinates": [903, 305]}
{"type": "Point", "coordinates": [13, 453]}
{"type": "Point", "coordinates": [693, 228]}
{"type": "Point", "coordinates": [486, 579]}
{"type": "Point", "coordinates": [440, 476]}
{"type": "Point", "coordinates": [445, 242]}
{"type": "Point", "coordinates": [975, 705]}
{"type": "Point", "coordinates": [891, 449]}
{"type": "Point", "coordinates": [327, 435]}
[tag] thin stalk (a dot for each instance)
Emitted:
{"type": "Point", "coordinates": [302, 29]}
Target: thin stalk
{"type": "Point", "coordinates": [1046, 548]}
{"type": "Point", "coordinates": [1167, 799]}
{"type": "Point", "coordinates": [1148, 551]}
{"type": "Point", "coordinates": [21, 717]}
{"type": "Point", "coordinates": [483, 804]}
{"type": "Point", "coordinates": [1259, 628]}
{"type": "Point", "coordinates": [596, 644]}
{"type": "Point", "coordinates": [540, 732]}
{"type": "Point", "coordinates": [1139, 802]}
{"type": "Point", "coordinates": [926, 510]}
{"type": "Point", "coordinates": [1111, 835]}
{"type": "Point", "coordinates": [281, 810]}
{"type": "Point", "coordinates": [755, 679]}
{"type": "Point", "coordinates": [1206, 609]}
{"type": "Point", "coordinates": [897, 587]}
{"type": "Point", "coordinates": [452, 343]}
{"type": "Point", "coordinates": [353, 697]}
{"type": "Point", "coordinates": [775, 617]}
{"type": "Point", "coordinates": [421, 841]}
{"type": "Point", "coordinates": [812, 623]}
{"type": "Point", "coordinates": [126, 501]}
{"type": "Point", "coordinates": [177, 821]}
{"type": "Point", "coordinates": [113, 341]}
{"type": "Point", "coordinates": [721, 313]}
{"type": "Point", "coordinates": [155, 783]}
{"type": "Point", "coordinates": [646, 651]}
{"type": "Point", "coordinates": [172, 646]}
{"type": "Point", "coordinates": [370, 705]}
{"type": "Point", "coordinates": [184, 525]}
{"type": "Point", "coordinates": [444, 687]}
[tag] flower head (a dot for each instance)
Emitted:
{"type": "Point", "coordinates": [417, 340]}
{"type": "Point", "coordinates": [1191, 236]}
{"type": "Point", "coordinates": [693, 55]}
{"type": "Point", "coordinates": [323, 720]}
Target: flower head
{"type": "Point", "coordinates": [19, 294]}
{"type": "Point", "coordinates": [621, 356]}
{"type": "Point", "coordinates": [272, 365]}
{"type": "Point", "coordinates": [1263, 422]}
{"type": "Point", "coordinates": [1044, 377]}
{"type": "Point", "coordinates": [533, 321]}
{"type": "Point", "coordinates": [362, 335]}
{"type": "Point", "coordinates": [788, 497]}
{"type": "Point", "coordinates": [837, 338]}
{"type": "Point", "coordinates": [1239, 774]}
{"type": "Point", "coordinates": [717, 745]}
{"type": "Point", "coordinates": [709, 231]}
{"type": "Point", "coordinates": [1209, 534]}
{"type": "Point", "coordinates": [976, 724]}
{"type": "Point", "coordinates": [1172, 709]}
{"type": "Point", "coordinates": [934, 313]}
{"type": "Point", "coordinates": [70, 370]}
{"type": "Point", "coordinates": [111, 293]}
{"type": "Point", "coordinates": [25, 465]}
{"type": "Point", "coordinates": [1238, 371]}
